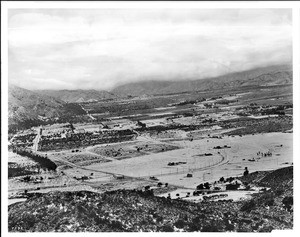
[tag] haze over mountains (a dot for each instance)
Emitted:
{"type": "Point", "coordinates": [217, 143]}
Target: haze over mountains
{"type": "Point", "coordinates": [77, 96]}
{"type": "Point", "coordinates": [25, 105]}
{"type": "Point", "coordinates": [267, 76]}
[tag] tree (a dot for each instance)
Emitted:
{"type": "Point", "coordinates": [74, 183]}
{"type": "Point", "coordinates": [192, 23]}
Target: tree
{"type": "Point", "coordinates": [72, 127]}
{"type": "Point", "coordinates": [206, 185]}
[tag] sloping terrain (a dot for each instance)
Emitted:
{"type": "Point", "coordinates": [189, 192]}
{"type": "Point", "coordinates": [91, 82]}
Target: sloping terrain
{"type": "Point", "coordinates": [27, 108]}
{"type": "Point", "coordinates": [25, 104]}
{"type": "Point", "coordinates": [268, 76]}
{"type": "Point", "coordinates": [132, 210]}
{"type": "Point", "coordinates": [78, 96]}
{"type": "Point", "coordinates": [280, 179]}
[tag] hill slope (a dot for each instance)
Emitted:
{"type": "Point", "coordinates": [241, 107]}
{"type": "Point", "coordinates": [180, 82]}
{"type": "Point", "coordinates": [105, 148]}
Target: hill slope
{"type": "Point", "coordinates": [77, 96]}
{"type": "Point", "coordinates": [25, 104]}
{"type": "Point", "coordinates": [272, 75]}
{"type": "Point", "coordinates": [131, 210]}
{"type": "Point", "coordinates": [27, 108]}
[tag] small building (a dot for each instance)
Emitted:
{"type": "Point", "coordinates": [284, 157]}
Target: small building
{"type": "Point", "coordinates": [119, 176]}
{"type": "Point", "coordinates": [80, 130]}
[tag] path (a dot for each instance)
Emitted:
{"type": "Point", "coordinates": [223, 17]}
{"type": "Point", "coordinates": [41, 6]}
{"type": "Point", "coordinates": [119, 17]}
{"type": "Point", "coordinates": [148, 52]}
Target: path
{"type": "Point", "coordinates": [36, 140]}
{"type": "Point", "coordinates": [87, 113]}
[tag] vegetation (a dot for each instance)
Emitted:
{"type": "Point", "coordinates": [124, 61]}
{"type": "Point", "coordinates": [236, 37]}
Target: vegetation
{"type": "Point", "coordinates": [84, 139]}
{"type": "Point", "coordinates": [43, 161]}
{"type": "Point", "coordinates": [137, 210]}
{"type": "Point", "coordinates": [264, 125]}
{"type": "Point", "coordinates": [15, 170]}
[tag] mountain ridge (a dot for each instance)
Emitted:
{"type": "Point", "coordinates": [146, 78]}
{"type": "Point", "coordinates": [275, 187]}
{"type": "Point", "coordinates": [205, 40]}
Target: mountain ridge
{"type": "Point", "coordinates": [78, 96]}
{"type": "Point", "coordinates": [267, 76]}
{"type": "Point", "coordinates": [27, 108]}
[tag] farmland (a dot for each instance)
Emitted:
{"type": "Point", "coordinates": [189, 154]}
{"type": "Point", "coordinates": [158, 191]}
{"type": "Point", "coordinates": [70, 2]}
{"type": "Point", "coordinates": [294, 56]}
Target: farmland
{"type": "Point", "coordinates": [168, 144]}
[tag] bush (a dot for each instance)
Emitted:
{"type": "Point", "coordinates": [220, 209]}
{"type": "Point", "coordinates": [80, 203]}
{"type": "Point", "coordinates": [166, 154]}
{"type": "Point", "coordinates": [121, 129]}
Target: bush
{"type": "Point", "coordinates": [213, 226]}
{"type": "Point", "coordinates": [248, 206]}
{"type": "Point", "coordinates": [207, 185]}
{"type": "Point", "coordinates": [288, 202]}
{"type": "Point", "coordinates": [200, 186]}
{"type": "Point", "coordinates": [266, 199]}
{"type": "Point", "coordinates": [279, 192]}
{"type": "Point", "coordinates": [167, 228]}
{"type": "Point", "coordinates": [180, 224]}
{"type": "Point", "coordinates": [269, 202]}
{"type": "Point", "coordinates": [266, 228]}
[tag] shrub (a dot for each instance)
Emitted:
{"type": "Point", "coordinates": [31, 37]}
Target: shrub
{"type": "Point", "coordinates": [200, 186]}
{"type": "Point", "coordinates": [266, 199]}
{"type": "Point", "coordinates": [269, 202]}
{"type": "Point", "coordinates": [266, 228]}
{"type": "Point", "coordinates": [248, 206]}
{"type": "Point", "coordinates": [167, 228]}
{"type": "Point", "coordinates": [213, 226]}
{"type": "Point", "coordinates": [206, 185]}
{"type": "Point", "coordinates": [279, 192]}
{"type": "Point", "coordinates": [180, 224]}
{"type": "Point", "coordinates": [288, 202]}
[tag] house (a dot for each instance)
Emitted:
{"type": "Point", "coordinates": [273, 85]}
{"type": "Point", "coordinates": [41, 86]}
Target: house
{"type": "Point", "coordinates": [80, 130]}
{"type": "Point", "coordinates": [119, 176]}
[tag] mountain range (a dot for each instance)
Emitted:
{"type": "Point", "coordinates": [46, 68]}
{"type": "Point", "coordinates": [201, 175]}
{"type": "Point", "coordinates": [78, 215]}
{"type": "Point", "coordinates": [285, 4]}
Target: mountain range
{"type": "Point", "coordinates": [78, 96]}
{"type": "Point", "coordinates": [24, 105]}
{"type": "Point", "coordinates": [267, 76]}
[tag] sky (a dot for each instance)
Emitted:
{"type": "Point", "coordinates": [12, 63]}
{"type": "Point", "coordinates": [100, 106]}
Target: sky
{"type": "Point", "coordinates": [103, 48]}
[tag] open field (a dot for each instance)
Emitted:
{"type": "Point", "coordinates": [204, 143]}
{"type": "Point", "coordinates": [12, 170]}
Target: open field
{"type": "Point", "coordinates": [230, 161]}
{"type": "Point", "coordinates": [179, 140]}
{"type": "Point", "coordinates": [128, 150]}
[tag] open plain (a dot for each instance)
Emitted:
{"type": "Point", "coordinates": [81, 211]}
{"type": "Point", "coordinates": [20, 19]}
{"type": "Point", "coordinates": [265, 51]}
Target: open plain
{"type": "Point", "coordinates": [200, 138]}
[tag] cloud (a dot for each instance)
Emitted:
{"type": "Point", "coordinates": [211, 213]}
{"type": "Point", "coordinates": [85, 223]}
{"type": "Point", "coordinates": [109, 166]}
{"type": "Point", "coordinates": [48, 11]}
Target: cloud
{"type": "Point", "coordinates": [99, 49]}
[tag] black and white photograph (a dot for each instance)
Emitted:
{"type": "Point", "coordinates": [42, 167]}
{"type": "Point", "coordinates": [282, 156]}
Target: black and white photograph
{"type": "Point", "coordinates": [148, 118]}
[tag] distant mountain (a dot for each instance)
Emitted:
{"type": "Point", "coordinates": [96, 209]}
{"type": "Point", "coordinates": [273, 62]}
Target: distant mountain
{"type": "Point", "coordinates": [267, 76]}
{"type": "Point", "coordinates": [77, 96]}
{"type": "Point", "coordinates": [27, 108]}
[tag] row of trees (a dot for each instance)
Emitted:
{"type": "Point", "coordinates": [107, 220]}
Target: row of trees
{"type": "Point", "coordinates": [43, 161]}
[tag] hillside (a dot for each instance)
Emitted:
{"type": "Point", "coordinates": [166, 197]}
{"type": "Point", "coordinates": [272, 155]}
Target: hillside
{"type": "Point", "coordinates": [132, 211]}
{"type": "Point", "coordinates": [268, 76]}
{"type": "Point", "coordinates": [77, 96]}
{"type": "Point", "coordinates": [27, 108]}
{"type": "Point", "coordinates": [25, 104]}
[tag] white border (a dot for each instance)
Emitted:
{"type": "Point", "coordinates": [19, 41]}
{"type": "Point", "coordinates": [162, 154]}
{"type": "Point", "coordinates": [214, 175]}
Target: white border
{"type": "Point", "coordinates": [163, 4]}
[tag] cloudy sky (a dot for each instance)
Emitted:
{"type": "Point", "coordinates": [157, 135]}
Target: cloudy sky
{"type": "Point", "coordinates": [102, 48]}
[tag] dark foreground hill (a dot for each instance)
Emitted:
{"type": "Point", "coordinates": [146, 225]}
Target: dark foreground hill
{"type": "Point", "coordinates": [131, 210]}
{"type": "Point", "coordinates": [267, 76]}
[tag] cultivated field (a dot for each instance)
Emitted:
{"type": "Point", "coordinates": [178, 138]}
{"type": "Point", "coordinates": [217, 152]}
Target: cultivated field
{"type": "Point", "coordinates": [181, 139]}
